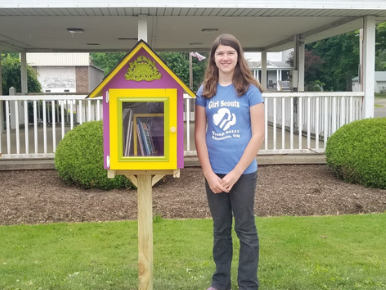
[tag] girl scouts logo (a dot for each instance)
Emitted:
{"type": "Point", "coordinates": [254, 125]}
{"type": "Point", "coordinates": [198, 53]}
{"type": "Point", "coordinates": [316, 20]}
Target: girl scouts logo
{"type": "Point", "coordinates": [224, 119]}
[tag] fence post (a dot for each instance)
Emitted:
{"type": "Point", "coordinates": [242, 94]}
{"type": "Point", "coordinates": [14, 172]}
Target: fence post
{"type": "Point", "coordinates": [1, 102]}
{"type": "Point", "coordinates": [12, 108]}
{"type": "Point", "coordinates": [1, 116]}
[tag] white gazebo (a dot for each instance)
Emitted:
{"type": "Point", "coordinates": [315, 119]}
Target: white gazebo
{"type": "Point", "coordinates": [261, 26]}
{"type": "Point", "coordinates": [86, 25]}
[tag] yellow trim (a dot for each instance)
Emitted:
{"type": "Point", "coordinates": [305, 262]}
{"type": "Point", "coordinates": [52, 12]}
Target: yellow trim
{"type": "Point", "coordinates": [143, 162]}
{"type": "Point", "coordinates": [98, 91]}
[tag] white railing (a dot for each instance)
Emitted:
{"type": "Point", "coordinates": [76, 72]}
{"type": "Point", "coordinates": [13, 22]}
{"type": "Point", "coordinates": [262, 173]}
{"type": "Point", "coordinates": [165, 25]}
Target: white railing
{"type": "Point", "coordinates": [302, 122]}
{"type": "Point", "coordinates": [295, 122]}
{"type": "Point", "coordinates": [34, 125]}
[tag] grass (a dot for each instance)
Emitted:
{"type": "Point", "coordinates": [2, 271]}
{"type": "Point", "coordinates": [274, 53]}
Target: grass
{"type": "Point", "coordinates": [378, 106]}
{"type": "Point", "coordinates": [334, 252]}
{"type": "Point", "coordinates": [380, 95]}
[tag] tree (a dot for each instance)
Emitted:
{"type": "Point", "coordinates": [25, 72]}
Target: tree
{"type": "Point", "coordinates": [106, 60]}
{"type": "Point", "coordinates": [340, 56]}
{"type": "Point", "coordinates": [380, 60]}
{"type": "Point", "coordinates": [12, 76]}
{"type": "Point", "coordinates": [380, 37]}
{"type": "Point", "coordinates": [199, 71]}
{"type": "Point", "coordinates": [312, 68]}
{"type": "Point", "coordinates": [380, 53]}
{"type": "Point", "coordinates": [178, 62]}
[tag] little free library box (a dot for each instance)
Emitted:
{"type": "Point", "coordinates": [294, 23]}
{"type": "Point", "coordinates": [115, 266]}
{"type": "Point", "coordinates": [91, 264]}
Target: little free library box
{"type": "Point", "coordinates": [143, 134]}
{"type": "Point", "coordinates": [142, 113]}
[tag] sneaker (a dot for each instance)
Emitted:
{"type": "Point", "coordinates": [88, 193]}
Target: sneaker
{"type": "Point", "coordinates": [211, 288]}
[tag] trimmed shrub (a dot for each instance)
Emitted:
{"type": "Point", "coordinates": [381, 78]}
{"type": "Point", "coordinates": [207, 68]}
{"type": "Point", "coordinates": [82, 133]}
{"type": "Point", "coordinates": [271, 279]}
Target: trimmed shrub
{"type": "Point", "coordinates": [356, 152]}
{"type": "Point", "coordinates": [79, 159]}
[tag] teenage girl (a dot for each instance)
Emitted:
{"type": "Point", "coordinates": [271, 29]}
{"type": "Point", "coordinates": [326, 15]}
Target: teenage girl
{"type": "Point", "coordinates": [229, 132]}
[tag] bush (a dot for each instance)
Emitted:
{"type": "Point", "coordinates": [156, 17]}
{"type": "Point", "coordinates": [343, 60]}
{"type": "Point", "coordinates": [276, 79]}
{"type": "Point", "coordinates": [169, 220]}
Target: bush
{"type": "Point", "coordinates": [79, 159]}
{"type": "Point", "coordinates": [357, 152]}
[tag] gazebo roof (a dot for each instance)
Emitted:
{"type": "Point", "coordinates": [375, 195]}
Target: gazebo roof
{"type": "Point", "coordinates": [85, 25]}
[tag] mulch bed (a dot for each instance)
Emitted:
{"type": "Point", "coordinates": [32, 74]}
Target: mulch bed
{"type": "Point", "coordinates": [33, 197]}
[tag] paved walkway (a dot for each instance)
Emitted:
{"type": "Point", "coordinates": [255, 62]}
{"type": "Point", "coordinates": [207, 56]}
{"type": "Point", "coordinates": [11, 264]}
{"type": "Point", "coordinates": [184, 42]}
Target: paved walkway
{"type": "Point", "coordinates": [380, 112]}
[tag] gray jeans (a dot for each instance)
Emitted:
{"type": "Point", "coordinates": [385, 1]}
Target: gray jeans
{"type": "Point", "coordinates": [240, 202]}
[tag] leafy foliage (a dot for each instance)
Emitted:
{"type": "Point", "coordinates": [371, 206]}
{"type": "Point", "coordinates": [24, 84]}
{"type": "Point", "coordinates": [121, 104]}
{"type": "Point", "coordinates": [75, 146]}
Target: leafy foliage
{"type": "Point", "coordinates": [380, 60]}
{"type": "Point", "coordinates": [312, 67]}
{"type": "Point", "coordinates": [357, 152]}
{"type": "Point", "coordinates": [380, 37]}
{"type": "Point", "coordinates": [178, 62]}
{"type": "Point", "coordinates": [340, 56]}
{"type": "Point", "coordinates": [79, 159]}
{"type": "Point", "coordinates": [12, 77]}
{"type": "Point", "coordinates": [106, 60]}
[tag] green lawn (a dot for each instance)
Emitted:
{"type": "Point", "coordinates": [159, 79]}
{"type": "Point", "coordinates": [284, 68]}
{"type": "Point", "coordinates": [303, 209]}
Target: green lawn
{"type": "Point", "coordinates": [334, 252]}
{"type": "Point", "coordinates": [380, 95]}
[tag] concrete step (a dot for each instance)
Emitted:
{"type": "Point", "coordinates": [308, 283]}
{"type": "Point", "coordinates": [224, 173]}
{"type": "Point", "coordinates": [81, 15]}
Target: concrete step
{"type": "Point", "coordinates": [190, 161]}
{"type": "Point", "coordinates": [26, 164]}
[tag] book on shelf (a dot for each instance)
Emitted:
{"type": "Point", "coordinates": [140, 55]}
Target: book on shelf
{"type": "Point", "coordinates": [149, 139]}
{"type": "Point", "coordinates": [141, 146]}
{"type": "Point", "coordinates": [128, 130]}
{"type": "Point", "coordinates": [145, 144]}
{"type": "Point", "coordinates": [143, 137]}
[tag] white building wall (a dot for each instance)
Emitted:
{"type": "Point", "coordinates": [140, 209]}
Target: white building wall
{"type": "Point", "coordinates": [380, 86]}
{"type": "Point", "coordinates": [285, 54]}
{"type": "Point", "coordinates": [355, 87]}
{"type": "Point", "coordinates": [58, 59]}
{"type": "Point", "coordinates": [271, 56]}
{"type": "Point", "coordinates": [95, 77]}
{"type": "Point", "coordinates": [57, 79]}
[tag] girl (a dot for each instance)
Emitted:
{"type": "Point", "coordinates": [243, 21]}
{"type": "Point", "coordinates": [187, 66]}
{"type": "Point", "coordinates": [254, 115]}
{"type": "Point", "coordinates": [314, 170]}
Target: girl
{"type": "Point", "coordinates": [228, 134]}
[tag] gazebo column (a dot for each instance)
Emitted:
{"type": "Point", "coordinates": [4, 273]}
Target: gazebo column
{"type": "Point", "coordinates": [360, 75]}
{"type": "Point", "coordinates": [256, 74]}
{"type": "Point", "coordinates": [295, 72]}
{"type": "Point", "coordinates": [368, 65]}
{"type": "Point", "coordinates": [263, 80]}
{"type": "Point", "coordinates": [142, 27]}
{"type": "Point", "coordinates": [301, 61]}
{"type": "Point", "coordinates": [23, 71]}
{"type": "Point", "coordinates": [1, 77]}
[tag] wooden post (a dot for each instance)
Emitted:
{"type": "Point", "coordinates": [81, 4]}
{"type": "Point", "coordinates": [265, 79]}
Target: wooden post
{"type": "Point", "coordinates": [145, 232]}
{"type": "Point", "coordinates": [144, 181]}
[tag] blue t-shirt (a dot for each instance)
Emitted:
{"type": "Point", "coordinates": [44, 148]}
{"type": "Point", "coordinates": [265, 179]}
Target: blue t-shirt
{"type": "Point", "coordinates": [229, 126]}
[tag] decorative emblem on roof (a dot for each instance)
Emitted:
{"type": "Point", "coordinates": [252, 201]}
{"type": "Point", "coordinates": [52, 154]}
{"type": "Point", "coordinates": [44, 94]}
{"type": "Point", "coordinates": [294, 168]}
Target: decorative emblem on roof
{"type": "Point", "coordinates": [142, 69]}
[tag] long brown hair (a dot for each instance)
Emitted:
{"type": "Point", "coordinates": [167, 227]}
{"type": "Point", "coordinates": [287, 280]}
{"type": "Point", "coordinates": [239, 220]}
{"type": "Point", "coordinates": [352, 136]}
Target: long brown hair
{"type": "Point", "coordinates": [242, 76]}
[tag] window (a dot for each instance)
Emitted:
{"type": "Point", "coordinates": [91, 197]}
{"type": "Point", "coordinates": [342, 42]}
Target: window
{"type": "Point", "coordinates": [143, 128]}
{"type": "Point", "coordinates": [143, 132]}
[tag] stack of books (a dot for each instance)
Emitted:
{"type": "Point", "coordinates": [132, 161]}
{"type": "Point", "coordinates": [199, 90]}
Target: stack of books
{"type": "Point", "coordinates": [145, 140]}
{"type": "Point", "coordinates": [145, 143]}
